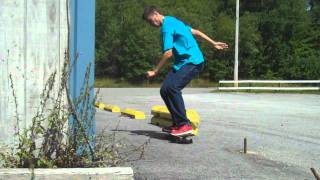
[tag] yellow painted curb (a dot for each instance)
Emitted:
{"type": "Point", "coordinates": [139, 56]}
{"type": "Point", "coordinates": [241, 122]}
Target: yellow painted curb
{"type": "Point", "coordinates": [133, 113]}
{"type": "Point", "coordinates": [162, 117]}
{"type": "Point", "coordinates": [161, 111]}
{"type": "Point", "coordinates": [100, 105]}
{"type": "Point", "coordinates": [107, 107]}
{"type": "Point", "coordinates": [112, 108]}
{"type": "Point", "coordinates": [161, 122]}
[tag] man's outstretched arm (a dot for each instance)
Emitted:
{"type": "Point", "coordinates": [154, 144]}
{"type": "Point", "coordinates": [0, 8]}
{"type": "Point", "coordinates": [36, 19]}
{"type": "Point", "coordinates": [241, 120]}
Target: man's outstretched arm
{"type": "Point", "coordinates": [164, 59]}
{"type": "Point", "coordinates": [218, 45]}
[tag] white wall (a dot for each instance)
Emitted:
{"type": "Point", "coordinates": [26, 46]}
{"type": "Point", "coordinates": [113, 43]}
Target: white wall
{"type": "Point", "coordinates": [33, 39]}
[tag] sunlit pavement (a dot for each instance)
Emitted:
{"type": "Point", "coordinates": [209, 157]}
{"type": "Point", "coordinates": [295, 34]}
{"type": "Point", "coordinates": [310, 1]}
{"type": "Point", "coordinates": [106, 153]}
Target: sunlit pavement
{"type": "Point", "coordinates": [282, 130]}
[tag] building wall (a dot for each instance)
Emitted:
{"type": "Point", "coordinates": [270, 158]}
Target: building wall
{"type": "Point", "coordinates": [33, 40]}
{"type": "Point", "coordinates": [82, 51]}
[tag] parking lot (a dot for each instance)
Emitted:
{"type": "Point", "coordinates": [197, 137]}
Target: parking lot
{"type": "Point", "coordinates": [282, 130]}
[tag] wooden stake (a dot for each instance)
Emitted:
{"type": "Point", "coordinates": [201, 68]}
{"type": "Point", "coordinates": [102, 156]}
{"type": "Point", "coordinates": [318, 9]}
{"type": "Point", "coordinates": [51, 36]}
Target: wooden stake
{"type": "Point", "coordinates": [245, 145]}
{"type": "Point", "coordinates": [315, 174]}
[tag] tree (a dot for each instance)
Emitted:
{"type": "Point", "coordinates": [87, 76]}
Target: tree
{"type": "Point", "coordinates": [279, 39]}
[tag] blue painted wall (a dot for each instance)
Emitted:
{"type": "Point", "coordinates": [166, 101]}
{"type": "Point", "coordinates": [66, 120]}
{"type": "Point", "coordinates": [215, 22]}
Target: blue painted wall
{"type": "Point", "coordinates": [82, 50]}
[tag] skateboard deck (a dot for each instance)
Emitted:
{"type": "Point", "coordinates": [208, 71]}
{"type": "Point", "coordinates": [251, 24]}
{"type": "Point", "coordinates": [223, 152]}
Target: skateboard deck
{"type": "Point", "coordinates": [183, 139]}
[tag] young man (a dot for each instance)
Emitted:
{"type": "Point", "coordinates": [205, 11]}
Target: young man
{"type": "Point", "coordinates": [178, 41]}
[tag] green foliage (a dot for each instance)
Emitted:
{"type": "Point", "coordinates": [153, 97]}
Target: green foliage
{"type": "Point", "coordinates": [279, 39]}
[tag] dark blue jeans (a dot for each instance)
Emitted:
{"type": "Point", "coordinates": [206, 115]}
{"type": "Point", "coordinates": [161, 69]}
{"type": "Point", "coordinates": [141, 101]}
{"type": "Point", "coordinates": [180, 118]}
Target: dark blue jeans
{"type": "Point", "coordinates": [171, 91]}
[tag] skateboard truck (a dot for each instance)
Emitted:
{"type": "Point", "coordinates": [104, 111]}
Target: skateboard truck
{"type": "Point", "coordinates": [184, 139]}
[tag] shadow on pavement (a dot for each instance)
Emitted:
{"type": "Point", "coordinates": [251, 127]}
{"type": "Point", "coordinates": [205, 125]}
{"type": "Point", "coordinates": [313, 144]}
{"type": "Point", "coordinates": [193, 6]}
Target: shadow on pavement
{"type": "Point", "coordinates": [155, 135]}
{"type": "Point", "coordinates": [151, 134]}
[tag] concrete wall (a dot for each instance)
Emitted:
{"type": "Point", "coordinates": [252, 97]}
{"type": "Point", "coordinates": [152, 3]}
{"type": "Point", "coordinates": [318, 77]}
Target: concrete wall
{"type": "Point", "coordinates": [33, 39]}
{"type": "Point", "coordinates": [111, 173]}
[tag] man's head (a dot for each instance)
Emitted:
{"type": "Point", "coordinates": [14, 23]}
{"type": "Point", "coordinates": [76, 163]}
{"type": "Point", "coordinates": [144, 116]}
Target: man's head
{"type": "Point", "coordinates": [153, 16]}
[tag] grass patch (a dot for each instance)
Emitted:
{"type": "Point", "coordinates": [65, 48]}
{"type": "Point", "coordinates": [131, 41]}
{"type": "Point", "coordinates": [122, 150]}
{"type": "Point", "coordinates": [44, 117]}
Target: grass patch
{"type": "Point", "coordinates": [202, 83]}
{"type": "Point", "coordinates": [270, 91]}
{"type": "Point", "coordinates": [269, 85]}
{"type": "Point", "coordinates": [267, 91]}
{"type": "Point", "coordinates": [118, 83]}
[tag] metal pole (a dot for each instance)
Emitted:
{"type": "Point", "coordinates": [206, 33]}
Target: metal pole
{"type": "Point", "coordinates": [245, 146]}
{"type": "Point", "coordinates": [236, 47]}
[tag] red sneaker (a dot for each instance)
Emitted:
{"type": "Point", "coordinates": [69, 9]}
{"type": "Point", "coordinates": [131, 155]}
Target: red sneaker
{"type": "Point", "coordinates": [183, 130]}
{"type": "Point", "coordinates": [169, 129]}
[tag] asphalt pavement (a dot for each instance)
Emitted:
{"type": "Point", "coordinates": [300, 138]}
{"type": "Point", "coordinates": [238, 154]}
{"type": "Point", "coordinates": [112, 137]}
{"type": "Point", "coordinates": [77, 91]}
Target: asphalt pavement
{"type": "Point", "coordinates": [282, 131]}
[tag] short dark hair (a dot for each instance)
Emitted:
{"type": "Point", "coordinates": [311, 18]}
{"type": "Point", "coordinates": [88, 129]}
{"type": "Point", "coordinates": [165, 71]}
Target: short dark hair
{"type": "Point", "coordinates": [148, 11]}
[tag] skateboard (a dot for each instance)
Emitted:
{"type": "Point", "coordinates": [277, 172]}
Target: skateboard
{"type": "Point", "coordinates": [162, 118]}
{"type": "Point", "coordinates": [184, 139]}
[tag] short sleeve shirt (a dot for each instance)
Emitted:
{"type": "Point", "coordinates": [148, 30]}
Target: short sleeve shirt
{"type": "Point", "coordinates": [177, 36]}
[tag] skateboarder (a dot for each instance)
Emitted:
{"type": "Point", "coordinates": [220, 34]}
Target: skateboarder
{"type": "Point", "coordinates": [177, 41]}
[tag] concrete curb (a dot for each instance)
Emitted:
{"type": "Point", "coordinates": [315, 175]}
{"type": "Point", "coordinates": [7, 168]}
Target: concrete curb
{"type": "Point", "coordinates": [132, 113]}
{"type": "Point", "coordinates": [122, 173]}
{"type": "Point", "coordinates": [107, 107]}
{"type": "Point", "coordinates": [162, 117]}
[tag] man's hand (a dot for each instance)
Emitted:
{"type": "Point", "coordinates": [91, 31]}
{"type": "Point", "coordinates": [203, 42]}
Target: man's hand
{"type": "Point", "coordinates": [151, 74]}
{"type": "Point", "coordinates": [168, 54]}
{"type": "Point", "coordinates": [220, 45]}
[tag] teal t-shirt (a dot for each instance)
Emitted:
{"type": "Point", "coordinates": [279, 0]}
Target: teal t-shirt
{"type": "Point", "coordinates": [178, 36]}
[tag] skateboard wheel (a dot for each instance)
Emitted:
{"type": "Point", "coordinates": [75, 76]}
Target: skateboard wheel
{"type": "Point", "coordinates": [188, 141]}
{"type": "Point", "coordinates": [180, 140]}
